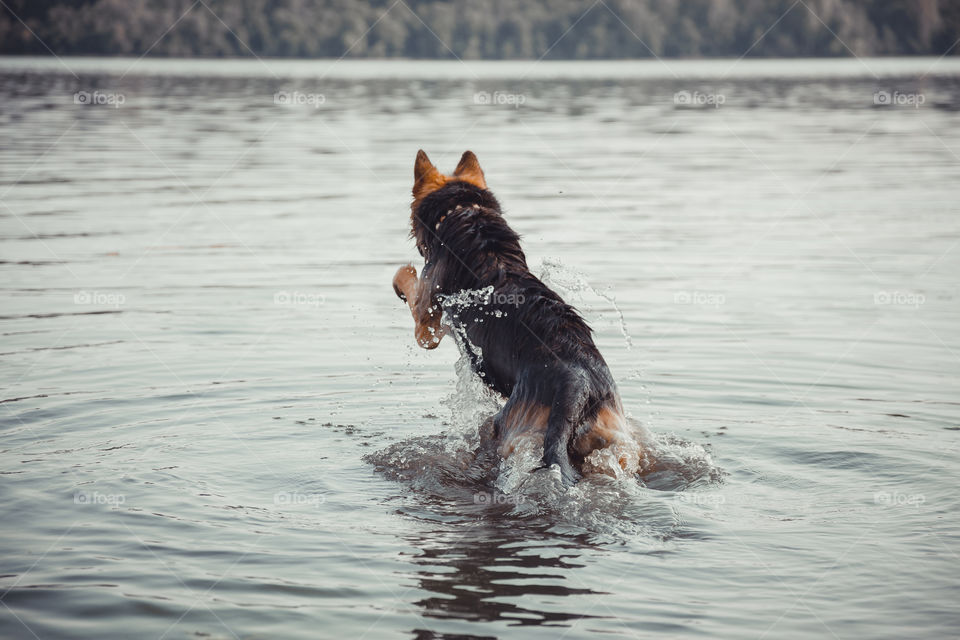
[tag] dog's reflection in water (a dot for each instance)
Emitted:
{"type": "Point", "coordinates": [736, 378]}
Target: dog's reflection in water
{"type": "Point", "coordinates": [485, 573]}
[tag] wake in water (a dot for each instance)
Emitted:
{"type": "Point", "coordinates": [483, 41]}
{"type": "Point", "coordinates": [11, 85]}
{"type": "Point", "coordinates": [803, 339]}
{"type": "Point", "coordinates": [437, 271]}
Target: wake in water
{"type": "Point", "coordinates": [458, 469]}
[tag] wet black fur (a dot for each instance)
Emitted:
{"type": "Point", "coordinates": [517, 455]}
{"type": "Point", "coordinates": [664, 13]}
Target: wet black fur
{"type": "Point", "coordinates": [539, 350]}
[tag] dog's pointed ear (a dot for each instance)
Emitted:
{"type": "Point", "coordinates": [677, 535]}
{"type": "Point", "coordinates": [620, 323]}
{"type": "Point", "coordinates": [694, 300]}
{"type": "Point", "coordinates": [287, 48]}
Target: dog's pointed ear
{"type": "Point", "coordinates": [426, 179]}
{"type": "Point", "coordinates": [469, 170]}
{"type": "Point", "coordinates": [423, 168]}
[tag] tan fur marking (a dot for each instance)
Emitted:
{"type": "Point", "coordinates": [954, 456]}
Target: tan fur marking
{"type": "Point", "coordinates": [609, 427]}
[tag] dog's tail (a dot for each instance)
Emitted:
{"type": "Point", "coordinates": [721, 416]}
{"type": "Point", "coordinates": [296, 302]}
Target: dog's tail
{"type": "Point", "coordinates": [566, 413]}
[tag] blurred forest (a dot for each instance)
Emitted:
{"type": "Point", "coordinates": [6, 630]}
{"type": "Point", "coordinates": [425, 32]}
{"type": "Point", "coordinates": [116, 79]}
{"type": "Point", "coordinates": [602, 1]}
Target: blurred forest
{"type": "Point", "coordinates": [494, 29]}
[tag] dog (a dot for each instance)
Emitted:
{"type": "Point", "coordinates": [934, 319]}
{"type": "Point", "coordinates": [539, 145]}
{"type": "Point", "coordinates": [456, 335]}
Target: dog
{"type": "Point", "coordinates": [521, 338]}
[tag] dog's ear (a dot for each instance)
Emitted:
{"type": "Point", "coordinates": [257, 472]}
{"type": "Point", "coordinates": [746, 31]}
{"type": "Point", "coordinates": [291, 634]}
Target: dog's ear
{"type": "Point", "coordinates": [423, 169]}
{"type": "Point", "coordinates": [426, 178]}
{"type": "Point", "coordinates": [469, 170]}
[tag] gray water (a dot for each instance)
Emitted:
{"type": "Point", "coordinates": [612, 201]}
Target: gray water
{"type": "Point", "coordinates": [215, 422]}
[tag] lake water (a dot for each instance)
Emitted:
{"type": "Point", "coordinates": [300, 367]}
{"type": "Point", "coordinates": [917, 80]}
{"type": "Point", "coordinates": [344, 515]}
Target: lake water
{"type": "Point", "coordinates": [215, 422]}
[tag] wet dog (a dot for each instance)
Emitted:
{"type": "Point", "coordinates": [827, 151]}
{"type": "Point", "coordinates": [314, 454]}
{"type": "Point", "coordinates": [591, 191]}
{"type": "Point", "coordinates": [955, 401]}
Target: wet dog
{"type": "Point", "coordinates": [522, 339]}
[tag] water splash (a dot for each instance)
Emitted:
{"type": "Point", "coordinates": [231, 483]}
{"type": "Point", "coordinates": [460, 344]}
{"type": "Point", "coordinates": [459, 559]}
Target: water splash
{"type": "Point", "coordinates": [473, 401]}
{"type": "Point", "coordinates": [573, 285]}
{"type": "Point", "coordinates": [453, 473]}
{"type": "Point", "coordinates": [453, 305]}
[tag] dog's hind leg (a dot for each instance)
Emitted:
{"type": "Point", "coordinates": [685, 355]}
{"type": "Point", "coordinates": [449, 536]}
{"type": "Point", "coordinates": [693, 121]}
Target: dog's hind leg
{"type": "Point", "coordinates": [565, 413]}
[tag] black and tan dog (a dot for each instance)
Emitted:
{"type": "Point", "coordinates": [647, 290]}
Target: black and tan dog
{"type": "Point", "coordinates": [523, 340]}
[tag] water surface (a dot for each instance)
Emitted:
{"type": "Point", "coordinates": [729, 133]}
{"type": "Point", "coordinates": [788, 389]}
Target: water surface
{"type": "Point", "coordinates": [215, 421]}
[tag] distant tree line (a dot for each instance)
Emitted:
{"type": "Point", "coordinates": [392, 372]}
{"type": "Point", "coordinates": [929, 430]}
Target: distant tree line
{"type": "Point", "coordinates": [477, 29]}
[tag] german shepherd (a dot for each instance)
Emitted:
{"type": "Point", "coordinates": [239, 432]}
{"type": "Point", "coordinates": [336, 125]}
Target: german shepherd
{"type": "Point", "coordinates": [522, 339]}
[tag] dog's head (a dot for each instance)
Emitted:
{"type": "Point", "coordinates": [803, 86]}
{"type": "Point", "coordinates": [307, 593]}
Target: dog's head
{"type": "Point", "coordinates": [436, 196]}
{"type": "Point", "coordinates": [427, 178]}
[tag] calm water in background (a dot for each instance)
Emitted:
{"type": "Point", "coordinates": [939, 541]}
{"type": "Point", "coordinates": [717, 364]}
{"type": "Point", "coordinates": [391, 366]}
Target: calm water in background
{"type": "Point", "coordinates": [215, 422]}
